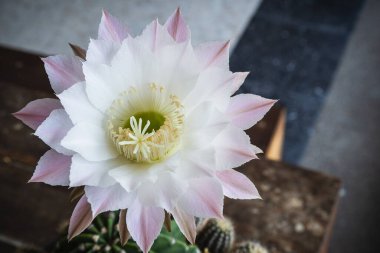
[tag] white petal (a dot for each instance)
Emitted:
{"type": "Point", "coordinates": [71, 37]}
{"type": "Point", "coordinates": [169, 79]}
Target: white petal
{"type": "Point", "coordinates": [203, 124]}
{"type": "Point", "coordinates": [203, 198]}
{"type": "Point", "coordinates": [54, 128]}
{"type": "Point", "coordinates": [233, 148]}
{"type": "Point", "coordinates": [131, 175]}
{"type": "Point", "coordinates": [111, 29]}
{"type": "Point", "coordinates": [77, 105]}
{"type": "Point", "coordinates": [144, 224]}
{"type": "Point", "coordinates": [63, 71]}
{"type": "Point", "coordinates": [186, 224]}
{"type": "Point", "coordinates": [108, 199]}
{"type": "Point", "coordinates": [155, 36]}
{"type": "Point", "coordinates": [84, 172]}
{"type": "Point", "coordinates": [245, 110]}
{"type": "Point", "coordinates": [177, 27]}
{"type": "Point", "coordinates": [213, 84]}
{"type": "Point", "coordinates": [101, 51]}
{"type": "Point", "coordinates": [53, 168]}
{"type": "Point", "coordinates": [164, 192]}
{"type": "Point", "coordinates": [214, 54]}
{"type": "Point", "coordinates": [236, 185]}
{"type": "Point", "coordinates": [35, 112]}
{"type": "Point", "coordinates": [102, 85]}
{"type": "Point", "coordinates": [91, 142]}
{"type": "Point", "coordinates": [80, 219]}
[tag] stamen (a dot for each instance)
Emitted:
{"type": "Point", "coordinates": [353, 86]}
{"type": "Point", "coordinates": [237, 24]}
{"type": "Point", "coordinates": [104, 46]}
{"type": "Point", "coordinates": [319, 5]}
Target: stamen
{"type": "Point", "coordinates": [146, 125]}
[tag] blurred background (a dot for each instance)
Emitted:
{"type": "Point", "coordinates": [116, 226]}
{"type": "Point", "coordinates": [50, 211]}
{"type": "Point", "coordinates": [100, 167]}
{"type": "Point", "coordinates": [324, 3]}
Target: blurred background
{"type": "Point", "coordinates": [321, 58]}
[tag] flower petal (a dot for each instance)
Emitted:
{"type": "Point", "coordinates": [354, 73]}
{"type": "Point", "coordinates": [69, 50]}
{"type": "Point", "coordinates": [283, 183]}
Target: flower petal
{"type": "Point", "coordinates": [233, 148]}
{"type": "Point", "coordinates": [155, 36]}
{"type": "Point", "coordinates": [84, 172]}
{"type": "Point", "coordinates": [131, 175]}
{"type": "Point", "coordinates": [90, 141]}
{"type": "Point", "coordinates": [111, 29]}
{"type": "Point", "coordinates": [102, 85]}
{"type": "Point", "coordinates": [35, 112]}
{"type": "Point", "coordinates": [239, 78]}
{"type": "Point", "coordinates": [214, 54]}
{"type": "Point", "coordinates": [81, 218]}
{"type": "Point", "coordinates": [245, 110]}
{"type": "Point", "coordinates": [101, 51]}
{"type": "Point", "coordinates": [53, 168]}
{"type": "Point", "coordinates": [203, 124]}
{"type": "Point", "coordinates": [163, 193]}
{"type": "Point", "coordinates": [213, 84]}
{"type": "Point", "coordinates": [177, 27]}
{"type": "Point", "coordinates": [203, 198]}
{"type": "Point", "coordinates": [63, 71]}
{"type": "Point", "coordinates": [144, 224]}
{"type": "Point", "coordinates": [74, 98]}
{"type": "Point", "coordinates": [186, 224]}
{"type": "Point", "coordinates": [236, 185]}
{"type": "Point", "coordinates": [107, 199]}
{"type": "Point", "coordinates": [54, 128]}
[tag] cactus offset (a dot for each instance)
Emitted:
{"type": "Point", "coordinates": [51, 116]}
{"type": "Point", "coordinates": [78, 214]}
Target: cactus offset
{"type": "Point", "coordinates": [216, 236]}
{"type": "Point", "coordinates": [249, 247]}
{"type": "Point", "coordinates": [103, 236]}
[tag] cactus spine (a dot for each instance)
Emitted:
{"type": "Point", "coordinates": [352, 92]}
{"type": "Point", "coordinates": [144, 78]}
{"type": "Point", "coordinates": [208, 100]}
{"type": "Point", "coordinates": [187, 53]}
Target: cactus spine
{"type": "Point", "coordinates": [216, 236]}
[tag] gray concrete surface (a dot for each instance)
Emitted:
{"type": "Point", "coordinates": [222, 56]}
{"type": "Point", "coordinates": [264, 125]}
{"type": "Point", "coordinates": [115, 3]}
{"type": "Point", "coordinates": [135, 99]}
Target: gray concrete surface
{"type": "Point", "coordinates": [346, 140]}
{"type": "Point", "coordinates": [47, 25]}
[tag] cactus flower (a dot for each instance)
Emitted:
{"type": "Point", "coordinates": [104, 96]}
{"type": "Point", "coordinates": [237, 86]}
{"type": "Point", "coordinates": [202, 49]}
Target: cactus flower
{"type": "Point", "coordinates": [146, 124]}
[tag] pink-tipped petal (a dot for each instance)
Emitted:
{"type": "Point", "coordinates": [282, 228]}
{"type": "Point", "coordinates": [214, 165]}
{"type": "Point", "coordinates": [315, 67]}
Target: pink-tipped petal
{"type": "Point", "coordinates": [81, 218]}
{"type": "Point", "coordinates": [103, 199]}
{"type": "Point", "coordinates": [101, 51]}
{"type": "Point", "coordinates": [239, 78]}
{"type": "Point", "coordinates": [63, 71]}
{"type": "Point", "coordinates": [35, 112]}
{"type": "Point", "coordinates": [53, 168]}
{"type": "Point", "coordinates": [177, 27]}
{"type": "Point", "coordinates": [236, 185]}
{"type": "Point", "coordinates": [186, 224]}
{"type": "Point", "coordinates": [245, 110]}
{"type": "Point", "coordinates": [54, 128]}
{"type": "Point", "coordinates": [213, 54]}
{"type": "Point", "coordinates": [203, 198]}
{"type": "Point", "coordinates": [111, 29]}
{"type": "Point", "coordinates": [155, 36]}
{"type": "Point", "coordinates": [233, 148]}
{"type": "Point", "coordinates": [144, 224]}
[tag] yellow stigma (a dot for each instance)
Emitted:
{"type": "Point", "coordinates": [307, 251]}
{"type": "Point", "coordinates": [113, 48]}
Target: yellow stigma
{"type": "Point", "coordinates": [146, 124]}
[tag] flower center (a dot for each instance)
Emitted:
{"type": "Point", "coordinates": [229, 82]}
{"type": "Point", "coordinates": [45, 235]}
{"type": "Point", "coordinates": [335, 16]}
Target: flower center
{"type": "Point", "coordinates": [146, 123]}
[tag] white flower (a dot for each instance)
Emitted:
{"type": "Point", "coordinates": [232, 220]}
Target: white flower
{"type": "Point", "coordinates": [148, 124]}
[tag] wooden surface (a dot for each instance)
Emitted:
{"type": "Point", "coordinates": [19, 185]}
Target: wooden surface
{"type": "Point", "coordinates": [296, 210]}
{"type": "Point", "coordinates": [32, 214]}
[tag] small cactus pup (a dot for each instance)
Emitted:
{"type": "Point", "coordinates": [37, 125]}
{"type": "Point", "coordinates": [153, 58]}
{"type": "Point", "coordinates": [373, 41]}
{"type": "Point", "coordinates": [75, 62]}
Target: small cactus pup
{"type": "Point", "coordinates": [249, 247]}
{"type": "Point", "coordinates": [216, 236]}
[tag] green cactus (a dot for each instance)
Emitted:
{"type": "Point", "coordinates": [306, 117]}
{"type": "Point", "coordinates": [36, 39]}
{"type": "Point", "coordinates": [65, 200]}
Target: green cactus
{"type": "Point", "coordinates": [249, 247]}
{"type": "Point", "coordinates": [216, 236]}
{"type": "Point", "coordinates": [103, 236]}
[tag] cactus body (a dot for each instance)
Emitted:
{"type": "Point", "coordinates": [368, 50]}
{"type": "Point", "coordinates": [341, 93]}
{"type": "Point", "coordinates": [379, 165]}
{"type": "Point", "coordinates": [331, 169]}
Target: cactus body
{"type": "Point", "coordinates": [249, 247]}
{"type": "Point", "coordinates": [215, 236]}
